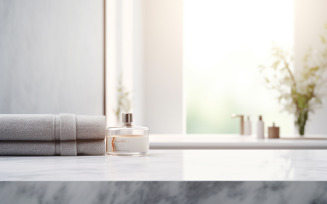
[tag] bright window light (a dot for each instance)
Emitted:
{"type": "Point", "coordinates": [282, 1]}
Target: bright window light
{"type": "Point", "coordinates": [224, 43]}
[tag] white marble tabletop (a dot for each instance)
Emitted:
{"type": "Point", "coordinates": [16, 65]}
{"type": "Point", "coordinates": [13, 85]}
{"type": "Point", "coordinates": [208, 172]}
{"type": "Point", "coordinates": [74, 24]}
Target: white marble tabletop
{"type": "Point", "coordinates": [172, 165]}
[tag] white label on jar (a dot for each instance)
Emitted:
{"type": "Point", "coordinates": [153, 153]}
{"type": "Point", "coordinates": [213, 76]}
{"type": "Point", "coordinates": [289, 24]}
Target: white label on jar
{"type": "Point", "coordinates": [127, 143]}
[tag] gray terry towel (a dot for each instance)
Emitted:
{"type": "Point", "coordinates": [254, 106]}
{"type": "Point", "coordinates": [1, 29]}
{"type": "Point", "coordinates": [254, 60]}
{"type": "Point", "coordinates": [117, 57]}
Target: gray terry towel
{"type": "Point", "coordinates": [62, 148]}
{"type": "Point", "coordinates": [47, 127]}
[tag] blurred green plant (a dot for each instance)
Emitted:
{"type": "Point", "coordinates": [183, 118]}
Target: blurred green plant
{"type": "Point", "coordinates": [124, 103]}
{"type": "Point", "coordinates": [300, 92]}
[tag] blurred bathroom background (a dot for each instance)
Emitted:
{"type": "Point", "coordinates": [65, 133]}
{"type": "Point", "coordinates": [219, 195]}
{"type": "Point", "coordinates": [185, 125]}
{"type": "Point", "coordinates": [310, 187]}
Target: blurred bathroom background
{"type": "Point", "coordinates": [181, 66]}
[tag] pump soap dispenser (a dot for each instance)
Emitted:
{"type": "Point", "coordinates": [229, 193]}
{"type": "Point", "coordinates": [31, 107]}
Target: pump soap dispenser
{"type": "Point", "coordinates": [260, 128]}
{"type": "Point", "coordinates": [248, 126]}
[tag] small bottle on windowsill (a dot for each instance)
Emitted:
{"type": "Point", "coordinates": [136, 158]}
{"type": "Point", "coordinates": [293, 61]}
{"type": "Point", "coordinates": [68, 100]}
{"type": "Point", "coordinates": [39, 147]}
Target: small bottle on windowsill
{"type": "Point", "coordinates": [127, 140]}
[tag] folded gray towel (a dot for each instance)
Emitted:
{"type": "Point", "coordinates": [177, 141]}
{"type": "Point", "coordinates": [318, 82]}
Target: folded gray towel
{"type": "Point", "coordinates": [62, 148]}
{"type": "Point", "coordinates": [49, 127]}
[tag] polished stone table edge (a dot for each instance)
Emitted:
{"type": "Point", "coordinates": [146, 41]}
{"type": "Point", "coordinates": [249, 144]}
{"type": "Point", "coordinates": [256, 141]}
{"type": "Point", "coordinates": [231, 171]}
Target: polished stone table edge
{"type": "Point", "coordinates": [211, 192]}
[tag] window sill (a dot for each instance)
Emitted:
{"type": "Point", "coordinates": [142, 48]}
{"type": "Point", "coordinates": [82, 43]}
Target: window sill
{"type": "Point", "coordinates": [212, 141]}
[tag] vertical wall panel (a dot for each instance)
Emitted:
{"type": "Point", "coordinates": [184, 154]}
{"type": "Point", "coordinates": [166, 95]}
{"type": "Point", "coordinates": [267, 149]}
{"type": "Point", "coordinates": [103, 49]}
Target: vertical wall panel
{"type": "Point", "coordinates": [163, 65]}
{"type": "Point", "coordinates": [51, 56]}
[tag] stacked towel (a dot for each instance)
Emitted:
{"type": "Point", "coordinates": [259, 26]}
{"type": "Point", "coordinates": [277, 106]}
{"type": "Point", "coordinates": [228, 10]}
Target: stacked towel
{"type": "Point", "coordinates": [49, 135]}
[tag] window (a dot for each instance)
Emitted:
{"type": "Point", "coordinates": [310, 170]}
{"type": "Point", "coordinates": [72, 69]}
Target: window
{"type": "Point", "coordinates": [224, 42]}
{"type": "Point", "coordinates": [189, 64]}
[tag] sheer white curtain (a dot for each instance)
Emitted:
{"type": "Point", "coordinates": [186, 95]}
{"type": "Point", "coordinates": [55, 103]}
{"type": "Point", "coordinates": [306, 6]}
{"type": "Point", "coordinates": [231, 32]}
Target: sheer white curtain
{"type": "Point", "coordinates": [144, 46]}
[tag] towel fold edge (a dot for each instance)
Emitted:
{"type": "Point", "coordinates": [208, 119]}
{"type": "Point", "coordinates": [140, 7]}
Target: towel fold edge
{"type": "Point", "coordinates": [53, 148]}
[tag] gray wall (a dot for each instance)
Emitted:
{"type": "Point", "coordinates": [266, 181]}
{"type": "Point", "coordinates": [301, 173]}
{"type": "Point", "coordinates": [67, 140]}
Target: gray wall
{"type": "Point", "coordinates": [51, 56]}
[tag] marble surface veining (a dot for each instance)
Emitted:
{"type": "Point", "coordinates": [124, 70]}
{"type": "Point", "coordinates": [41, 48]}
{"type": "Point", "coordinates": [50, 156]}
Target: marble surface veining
{"type": "Point", "coordinates": [173, 165]}
{"type": "Point", "coordinates": [164, 192]}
